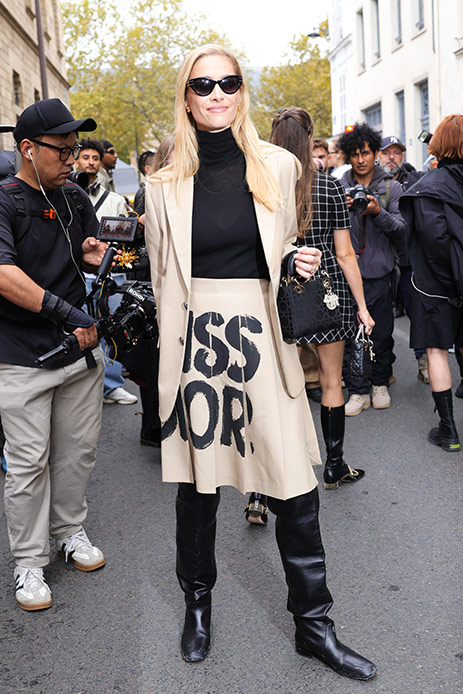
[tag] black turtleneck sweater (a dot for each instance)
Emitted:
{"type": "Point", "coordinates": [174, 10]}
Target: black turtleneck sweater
{"type": "Point", "coordinates": [226, 242]}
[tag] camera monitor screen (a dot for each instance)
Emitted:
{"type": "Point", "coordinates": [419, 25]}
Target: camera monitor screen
{"type": "Point", "coordinates": [117, 229]}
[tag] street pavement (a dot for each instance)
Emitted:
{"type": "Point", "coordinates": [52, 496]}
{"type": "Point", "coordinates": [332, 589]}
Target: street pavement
{"type": "Point", "coordinates": [393, 544]}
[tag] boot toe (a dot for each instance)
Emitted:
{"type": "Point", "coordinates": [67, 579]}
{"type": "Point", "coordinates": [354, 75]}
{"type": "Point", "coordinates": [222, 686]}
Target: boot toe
{"type": "Point", "coordinates": [196, 636]}
{"type": "Point", "coordinates": [319, 640]}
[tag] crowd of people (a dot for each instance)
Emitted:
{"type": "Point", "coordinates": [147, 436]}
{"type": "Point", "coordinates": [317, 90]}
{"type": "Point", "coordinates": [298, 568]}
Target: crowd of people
{"type": "Point", "coordinates": [226, 398]}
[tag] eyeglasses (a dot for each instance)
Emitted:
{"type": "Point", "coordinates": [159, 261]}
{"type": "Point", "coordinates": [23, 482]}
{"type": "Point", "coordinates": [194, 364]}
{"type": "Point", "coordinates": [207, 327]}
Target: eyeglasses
{"type": "Point", "coordinates": [110, 151]}
{"type": "Point", "coordinates": [64, 152]}
{"type": "Point", "coordinates": [203, 86]}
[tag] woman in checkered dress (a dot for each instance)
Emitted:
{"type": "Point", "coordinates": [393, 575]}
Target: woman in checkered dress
{"type": "Point", "coordinates": [323, 220]}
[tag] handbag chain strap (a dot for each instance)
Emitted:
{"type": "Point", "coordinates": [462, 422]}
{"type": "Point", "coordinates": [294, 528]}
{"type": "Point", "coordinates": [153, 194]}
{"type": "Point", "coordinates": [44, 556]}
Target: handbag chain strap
{"type": "Point", "coordinates": [361, 337]}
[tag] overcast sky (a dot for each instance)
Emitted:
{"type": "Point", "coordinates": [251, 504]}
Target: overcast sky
{"type": "Point", "coordinates": [263, 29]}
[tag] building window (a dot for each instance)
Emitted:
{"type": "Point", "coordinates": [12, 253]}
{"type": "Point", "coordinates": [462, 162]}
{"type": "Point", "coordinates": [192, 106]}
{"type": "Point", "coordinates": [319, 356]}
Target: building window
{"type": "Point", "coordinates": [397, 21]}
{"type": "Point", "coordinates": [342, 101]}
{"type": "Point", "coordinates": [36, 95]}
{"type": "Point", "coordinates": [373, 117]}
{"type": "Point", "coordinates": [419, 9]}
{"type": "Point", "coordinates": [17, 90]}
{"type": "Point", "coordinates": [375, 29]}
{"type": "Point", "coordinates": [361, 39]}
{"type": "Point", "coordinates": [424, 112]}
{"type": "Point", "coordinates": [400, 100]}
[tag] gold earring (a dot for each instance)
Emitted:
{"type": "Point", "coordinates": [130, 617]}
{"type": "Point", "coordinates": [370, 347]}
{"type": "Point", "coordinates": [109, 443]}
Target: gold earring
{"type": "Point", "coordinates": [188, 109]}
{"type": "Point", "coordinates": [238, 108]}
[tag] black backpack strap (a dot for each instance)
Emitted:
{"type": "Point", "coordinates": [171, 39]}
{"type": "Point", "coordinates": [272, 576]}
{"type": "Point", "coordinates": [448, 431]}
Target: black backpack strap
{"type": "Point", "coordinates": [23, 214]}
{"type": "Point", "coordinates": [101, 200]}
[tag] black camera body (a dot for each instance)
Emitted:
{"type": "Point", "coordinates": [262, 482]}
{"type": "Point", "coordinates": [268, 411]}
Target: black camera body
{"type": "Point", "coordinates": [133, 320]}
{"type": "Point", "coordinates": [359, 194]}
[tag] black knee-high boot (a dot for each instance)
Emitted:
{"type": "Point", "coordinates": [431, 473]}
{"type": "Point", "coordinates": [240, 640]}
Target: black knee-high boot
{"type": "Point", "coordinates": [336, 470]}
{"type": "Point", "coordinates": [445, 435]}
{"type": "Point", "coordinates": [196, 567]}
{"type": "Point", "coordinates": [309, 600]}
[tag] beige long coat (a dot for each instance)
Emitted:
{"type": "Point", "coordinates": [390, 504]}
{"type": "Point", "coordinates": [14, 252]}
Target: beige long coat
{"type": "Point", "coordinates": [168, 237]}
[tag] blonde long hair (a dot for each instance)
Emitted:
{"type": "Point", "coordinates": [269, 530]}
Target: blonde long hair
{"type": "Point", "coordinates": [260, 179]}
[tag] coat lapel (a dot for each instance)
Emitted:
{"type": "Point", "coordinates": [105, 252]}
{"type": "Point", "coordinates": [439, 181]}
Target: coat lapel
{"type": "Point", "coordinates": [179, 215]}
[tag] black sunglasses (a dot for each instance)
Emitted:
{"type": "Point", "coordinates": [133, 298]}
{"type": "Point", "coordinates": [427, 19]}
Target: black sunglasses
{"type": "Point", "coordinates": [203, 86]}
{"type": "Point", "coordinates": [64, 152]}
{"type": "Point", "coordinates": [110, 151]}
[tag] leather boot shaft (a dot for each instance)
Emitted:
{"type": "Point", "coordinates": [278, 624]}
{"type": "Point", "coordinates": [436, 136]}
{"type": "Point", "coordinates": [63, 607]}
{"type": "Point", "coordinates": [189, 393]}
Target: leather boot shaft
{"type": "Point", "coordinates": [333, 426]}
{"type": "Point", "coordinates": [299, 541]}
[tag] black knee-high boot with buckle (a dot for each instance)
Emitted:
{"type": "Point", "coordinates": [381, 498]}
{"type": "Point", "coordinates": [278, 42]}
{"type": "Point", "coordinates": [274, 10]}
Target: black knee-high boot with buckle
{"type": "Point", "coordinates": [309, 600]}
{"type": "Point", "coordinates": [196, 567]}
{"type": "Point", "coordinates": [445, 435]}
{"type": "Point", "coordinates": [336, 470]}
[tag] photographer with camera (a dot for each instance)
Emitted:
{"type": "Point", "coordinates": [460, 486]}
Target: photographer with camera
{"type": "Point", "coordinates": [51, 417]}
{"type": "Point", "coordinates": [377, 231]}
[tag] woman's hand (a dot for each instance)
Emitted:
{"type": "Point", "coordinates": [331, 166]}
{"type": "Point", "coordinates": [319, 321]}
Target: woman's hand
{"type": "Point", "coordinates": [365, 319]}
{"type": "Point", "coordinates": [307, 261]}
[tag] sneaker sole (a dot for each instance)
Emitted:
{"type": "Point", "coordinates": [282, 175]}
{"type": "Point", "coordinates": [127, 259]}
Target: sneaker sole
{"type": "Point", "coordinates": [354, 414]}
{"type": "Point", "coordinates": [447, 447]}
{"type": "Point", "coordinates": [33, 608]}
{"type": "Point", "coordinates": [381, 407]}
{"type": "Point", "coordinates": [84, 567]}
{"type": "Point", "coordinates": [106, 401]}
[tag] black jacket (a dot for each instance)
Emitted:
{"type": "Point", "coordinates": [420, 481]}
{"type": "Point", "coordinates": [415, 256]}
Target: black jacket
{"type": "Point", "coordinates": [375, 238]}
{"type": "Point", "coordinates": [433, 210]}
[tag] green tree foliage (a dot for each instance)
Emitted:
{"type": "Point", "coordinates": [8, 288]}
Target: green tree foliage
{"type": "Point", "coordinates": [123, 68]}
{"type": "Point", "coordinates": [304, 81]}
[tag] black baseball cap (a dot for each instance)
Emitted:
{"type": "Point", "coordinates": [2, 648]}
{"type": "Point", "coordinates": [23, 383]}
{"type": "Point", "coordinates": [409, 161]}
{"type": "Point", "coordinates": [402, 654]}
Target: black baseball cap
{"type": "Point", "coordinates": [49, 117]}
{"type": "Point", "coordinates": [107, 145]}
{"type": "Point", "coordinates": [391, 140]}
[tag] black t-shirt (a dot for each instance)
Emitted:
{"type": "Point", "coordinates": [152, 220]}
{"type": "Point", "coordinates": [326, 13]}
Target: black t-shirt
{"type": "Point", "coordinates": [44, 254]}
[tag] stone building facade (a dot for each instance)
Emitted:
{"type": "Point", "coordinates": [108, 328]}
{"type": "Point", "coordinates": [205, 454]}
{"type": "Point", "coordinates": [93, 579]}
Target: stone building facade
{"type": "Point", "coordinates": [20, 81]}
{"type": "Point", "coordinates": [397, 65]}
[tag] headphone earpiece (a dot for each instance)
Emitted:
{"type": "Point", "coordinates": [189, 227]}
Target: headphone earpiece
{"type": "Point", "coordinates": [29, 152]}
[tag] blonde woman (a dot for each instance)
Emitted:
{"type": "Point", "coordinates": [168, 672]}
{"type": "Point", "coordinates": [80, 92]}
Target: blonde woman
{"type": "Point", "coordinates": [232, 402]}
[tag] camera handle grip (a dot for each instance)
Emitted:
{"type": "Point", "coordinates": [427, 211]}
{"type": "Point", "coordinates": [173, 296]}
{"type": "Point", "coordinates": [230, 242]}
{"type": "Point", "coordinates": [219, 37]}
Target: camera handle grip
{"type": "Point", "coordinates": [105, 266]}
{"type": "Point", "coordinates": [69, 344]}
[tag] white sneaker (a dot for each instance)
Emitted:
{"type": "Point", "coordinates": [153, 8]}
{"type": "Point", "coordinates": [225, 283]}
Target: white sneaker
{"type": "Point", "coordinates": [381, 397]}
{"type": "Point", "coordinates": [32, 592]}
{"type": "Point", "coordinates": [356, 404]}
{"type": "Point", "coordinates": [78, 547]}
{"type": "Point", "coordinates": [120, 396]}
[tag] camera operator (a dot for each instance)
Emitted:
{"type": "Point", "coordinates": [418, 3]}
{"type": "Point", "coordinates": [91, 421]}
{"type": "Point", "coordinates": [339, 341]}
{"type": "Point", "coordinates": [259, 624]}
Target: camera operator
{"type": "Point", "coordinates": [51, 417]}
{"type": "Point", "coordinates": [377, 230]}
{"type": "Point", "coordinates": [106, 204]}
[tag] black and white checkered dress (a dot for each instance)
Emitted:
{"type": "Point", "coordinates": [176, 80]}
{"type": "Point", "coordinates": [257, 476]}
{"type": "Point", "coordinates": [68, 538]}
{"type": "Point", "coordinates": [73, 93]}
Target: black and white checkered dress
{"type": "Point", "coordinates": [330, 212]}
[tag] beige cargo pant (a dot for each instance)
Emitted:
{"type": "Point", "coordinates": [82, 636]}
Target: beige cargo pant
{"type": "Point", "coordinates": [51, 419]}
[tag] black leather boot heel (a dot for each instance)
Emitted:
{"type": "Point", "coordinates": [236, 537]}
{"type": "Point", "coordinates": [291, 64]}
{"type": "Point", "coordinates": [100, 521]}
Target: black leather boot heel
{"type": "Point", "coordinates": [446, 434]}
{"type": "Point", "coordinates": [318, 639]}
{"type": "Point", "coordinates": [196, 567]}
{"type": "Point", "coordinates": [336, 470]}
{"type": "Point", "coordinates": [256, 510]}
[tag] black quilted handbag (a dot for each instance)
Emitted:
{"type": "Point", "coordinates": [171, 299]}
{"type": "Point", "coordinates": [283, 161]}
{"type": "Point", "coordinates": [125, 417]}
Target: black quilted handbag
{"type": "Point", "coordinates": [361, 355]}
{"type": "Point", "coordinates": [306, 307]}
